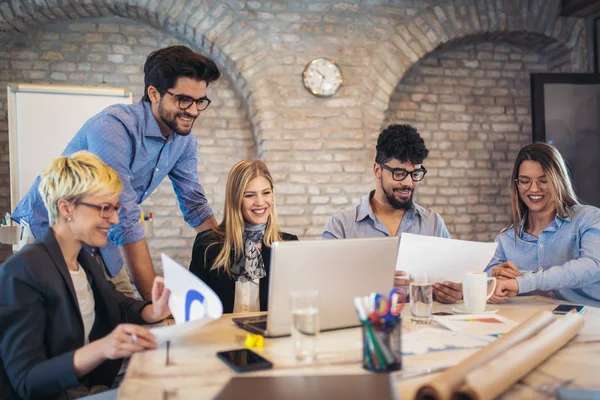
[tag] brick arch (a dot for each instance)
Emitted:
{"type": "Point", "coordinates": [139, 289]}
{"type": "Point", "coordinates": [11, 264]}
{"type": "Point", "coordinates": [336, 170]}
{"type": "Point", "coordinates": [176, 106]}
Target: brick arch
{"type": "Point", "coordinates": [470, 102]}
{"type": "Point", "coordinates": [211, 27]}
{"type": "Point", "coordinates": [534, 24]}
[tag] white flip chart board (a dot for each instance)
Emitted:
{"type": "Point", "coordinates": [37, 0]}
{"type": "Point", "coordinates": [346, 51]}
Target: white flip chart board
{"type": "Point", "coordinates": [42, 119]}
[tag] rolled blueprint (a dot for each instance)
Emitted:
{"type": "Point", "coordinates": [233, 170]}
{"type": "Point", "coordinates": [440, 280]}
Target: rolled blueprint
{"type": "Point", "coordinates": [501, 373]}
{"type": "Point", "coordinates": [445, 384]}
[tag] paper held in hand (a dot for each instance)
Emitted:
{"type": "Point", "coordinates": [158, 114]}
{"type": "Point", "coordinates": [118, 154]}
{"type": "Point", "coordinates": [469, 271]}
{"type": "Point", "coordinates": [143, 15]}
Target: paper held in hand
{"type": "Point", "coordinates": [442, 259]}
{"type": "Point", "coordinates": [191, 302]}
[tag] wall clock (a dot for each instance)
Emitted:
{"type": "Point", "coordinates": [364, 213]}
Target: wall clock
{"type": "Point", "coordinates": [322, 77]}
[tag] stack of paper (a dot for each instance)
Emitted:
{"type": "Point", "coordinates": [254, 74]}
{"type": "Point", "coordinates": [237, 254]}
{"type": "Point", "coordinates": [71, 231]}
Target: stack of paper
{"type": "Point", "coordinates": [429, 340]}
{"type": "Point", "coordinates": [483, 326]}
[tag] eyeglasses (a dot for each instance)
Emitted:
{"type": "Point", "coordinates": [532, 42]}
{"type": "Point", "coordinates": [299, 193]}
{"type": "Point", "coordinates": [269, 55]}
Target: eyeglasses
{"type": "Point", "coordinates": [400, 174]}
{"type": "Point", "coordinates": [106, 210]}
{"type": "Point", "coordinates": [524, 182]}
{"type": "Point", "coordinates": [185, 102]}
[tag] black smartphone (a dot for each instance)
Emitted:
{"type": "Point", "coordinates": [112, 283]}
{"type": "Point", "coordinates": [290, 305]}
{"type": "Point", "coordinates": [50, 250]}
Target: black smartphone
{"type": "Point", "coordinates": [566, 308]}
{"type": "Point", "coordinates": [244, 360]}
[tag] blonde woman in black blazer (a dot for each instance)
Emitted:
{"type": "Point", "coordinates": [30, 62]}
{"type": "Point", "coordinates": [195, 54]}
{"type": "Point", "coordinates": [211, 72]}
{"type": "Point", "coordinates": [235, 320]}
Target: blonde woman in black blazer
{"type": "Point", "coordinates": [233, 259]}
{"type": "Point", "coordinates": [57, 335]}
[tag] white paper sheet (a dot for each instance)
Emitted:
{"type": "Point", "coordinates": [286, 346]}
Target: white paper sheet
{"type": "Point", "coordinates": [191, 302]}
{"type": "Point", "coordinates": [442, 259]}
{"type": "Point", "coordinates": [428, 340]}
{"type": "Point", "coordinates": [485, 326]}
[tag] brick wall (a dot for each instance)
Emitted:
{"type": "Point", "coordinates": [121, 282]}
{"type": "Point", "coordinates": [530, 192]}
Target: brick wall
{"type": "Point", "coordinates": [112, 52]}
{"type": "Point", "coordinates": [320, 151]}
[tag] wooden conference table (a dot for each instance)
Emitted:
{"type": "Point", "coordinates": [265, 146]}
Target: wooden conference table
{"type": "Point", "coordinates": [189, 368]}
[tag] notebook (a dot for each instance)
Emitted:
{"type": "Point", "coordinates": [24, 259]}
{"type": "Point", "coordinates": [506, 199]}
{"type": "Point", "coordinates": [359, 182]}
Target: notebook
{"type": "Point", "coordinates": [326, 387]}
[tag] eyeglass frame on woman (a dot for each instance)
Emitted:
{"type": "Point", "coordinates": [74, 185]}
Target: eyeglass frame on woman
{"type": "Point", "coordinates": [181, 97]}
{"type": "Point", "coordinates": [394, 171]}
{"type": "Point", "coordinates": [104, 208]}
{"type": "Point", "coordinates": [537, 182]}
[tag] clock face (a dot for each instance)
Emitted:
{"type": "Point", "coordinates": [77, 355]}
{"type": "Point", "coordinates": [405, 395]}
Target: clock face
{"type": "Point", "coordinates": [322, 77]}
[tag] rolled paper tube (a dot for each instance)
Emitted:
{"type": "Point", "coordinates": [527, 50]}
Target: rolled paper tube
{"type": "Point", "coordinates": [443, 386]}
{"type": "Point", "coordinates": [501, 373]}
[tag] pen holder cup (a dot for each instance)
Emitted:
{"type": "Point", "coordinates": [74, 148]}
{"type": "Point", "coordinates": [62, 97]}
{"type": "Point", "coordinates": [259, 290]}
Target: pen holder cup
{"type": "Point", "coordinates": [382, 346]}
{"type": "Point", "coordinates": [148, 228]}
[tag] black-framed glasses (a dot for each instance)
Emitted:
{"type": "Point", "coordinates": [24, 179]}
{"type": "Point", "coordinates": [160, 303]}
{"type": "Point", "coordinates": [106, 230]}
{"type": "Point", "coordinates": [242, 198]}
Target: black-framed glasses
{"type": "Point", "coordinates": [106, 210]}
{"type": "Point", "coordinates": [400, 174]}
{"type": "Point", "coordinates": [185, 102]}
{"type": "Point", "coordinates": [524, 182]}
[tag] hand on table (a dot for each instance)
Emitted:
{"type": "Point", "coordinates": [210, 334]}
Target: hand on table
{"type": "Point", "coordinates": [447, 292]}
{"type": "Point", "coordinates": [505, 288]}
{"type": "Point", "coordinates": [506, 270]}
{"type": "Point", "coordinates": [125, 340]}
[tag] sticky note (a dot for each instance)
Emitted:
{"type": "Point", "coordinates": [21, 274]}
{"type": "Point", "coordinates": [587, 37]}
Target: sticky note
{"type": "Point", "coordinates": [254, 341]}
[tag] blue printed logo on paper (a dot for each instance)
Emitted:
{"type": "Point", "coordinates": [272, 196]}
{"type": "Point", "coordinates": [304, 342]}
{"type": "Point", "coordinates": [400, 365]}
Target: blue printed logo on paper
{"type": "Point", "coordinates": [190, 297]}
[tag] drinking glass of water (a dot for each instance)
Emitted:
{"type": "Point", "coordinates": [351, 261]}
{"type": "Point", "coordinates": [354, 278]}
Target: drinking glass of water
{"type": "Point", "coordinates": [421, 300]}
{"type": "Point", "coordinates": [305, 324]}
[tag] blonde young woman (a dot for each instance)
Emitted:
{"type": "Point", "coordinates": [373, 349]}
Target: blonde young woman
{"type": "Point", "coordinates": [552, 244]}
{"type": "Point", "coordinates": [65, 328]}
{"type": "Point", "coordinates": [234, 258]}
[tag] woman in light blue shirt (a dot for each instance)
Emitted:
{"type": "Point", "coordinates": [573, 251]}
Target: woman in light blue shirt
{"type": "Point", "coordinates": [552, 244]}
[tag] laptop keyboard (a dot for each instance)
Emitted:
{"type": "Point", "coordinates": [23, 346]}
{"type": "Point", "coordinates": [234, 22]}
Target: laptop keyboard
{"type": "Point", "coordinates": [259, 322]}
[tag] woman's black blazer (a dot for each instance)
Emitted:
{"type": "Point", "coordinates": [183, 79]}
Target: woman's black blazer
{"type": "Point", "coordinates": [217, 279]}
{"type": "Point", "coordinates": [42, 325]}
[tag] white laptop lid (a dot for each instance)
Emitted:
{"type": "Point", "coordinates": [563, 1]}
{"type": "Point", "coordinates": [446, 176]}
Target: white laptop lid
{"type": "Point", "coordinates": [339, 269]}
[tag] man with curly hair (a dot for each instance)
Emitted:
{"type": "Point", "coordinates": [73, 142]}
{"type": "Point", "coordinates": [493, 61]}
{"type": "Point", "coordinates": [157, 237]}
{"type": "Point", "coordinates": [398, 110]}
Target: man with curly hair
{"type": "Point", "coordinates": [390, 210]}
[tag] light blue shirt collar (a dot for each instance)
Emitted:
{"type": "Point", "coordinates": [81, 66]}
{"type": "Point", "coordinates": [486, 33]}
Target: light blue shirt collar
{"type": "Point", "coordinates": [553, 226]}
{"type": "Point", "coordinates": [152, 127]}
{"type": "Point", "coordinates": [365, 210]}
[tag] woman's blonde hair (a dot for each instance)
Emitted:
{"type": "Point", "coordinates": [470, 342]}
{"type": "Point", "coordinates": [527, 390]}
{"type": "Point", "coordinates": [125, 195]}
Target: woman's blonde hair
{"type": "Point", "coordinates": [557, 174]}
{"type": "Point", "coordinates": [74, 177]}
{"type": "Point", "coordinates": [232, 227]}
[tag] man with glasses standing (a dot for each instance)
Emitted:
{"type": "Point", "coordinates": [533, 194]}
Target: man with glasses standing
{"type": "Point", "coordinates": [144, 143]}
{"type": "Point", "coordinates": [390, 210]}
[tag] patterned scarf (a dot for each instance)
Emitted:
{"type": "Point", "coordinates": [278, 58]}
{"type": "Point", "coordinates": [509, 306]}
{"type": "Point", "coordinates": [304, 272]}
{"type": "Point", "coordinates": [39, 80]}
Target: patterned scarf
{"type": "Point", "coordinates": [250, 266]}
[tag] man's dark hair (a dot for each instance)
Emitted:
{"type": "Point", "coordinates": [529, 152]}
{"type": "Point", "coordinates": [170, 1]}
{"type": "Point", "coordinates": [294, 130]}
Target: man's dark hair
{"type": "Point", "coordinates": [401, 142]}
{"type": "Point", "coordinates": [164, 66]}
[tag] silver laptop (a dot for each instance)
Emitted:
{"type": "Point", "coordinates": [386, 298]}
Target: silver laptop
{"type": "Point", "coordinates": [339, 269]}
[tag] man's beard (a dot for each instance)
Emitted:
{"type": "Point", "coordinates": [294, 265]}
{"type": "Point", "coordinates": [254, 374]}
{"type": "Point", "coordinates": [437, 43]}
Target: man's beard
{"type": "Point", "coordinates": [395, 203]}
{"type": "Point", "coordinates": [171, 120]}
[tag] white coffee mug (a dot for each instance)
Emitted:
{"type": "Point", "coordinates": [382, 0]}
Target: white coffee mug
{"type": "Point", "coordinates": [476, 291]}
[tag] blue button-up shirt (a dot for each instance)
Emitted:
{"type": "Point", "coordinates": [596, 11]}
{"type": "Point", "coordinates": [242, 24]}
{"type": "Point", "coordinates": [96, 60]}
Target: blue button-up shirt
{"type": "Point", "coordinates": [563, 261]}
{"type": "Point", "coordinates": [128, 138]}
{"type": "Point", "coordinates": [361, 222]}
